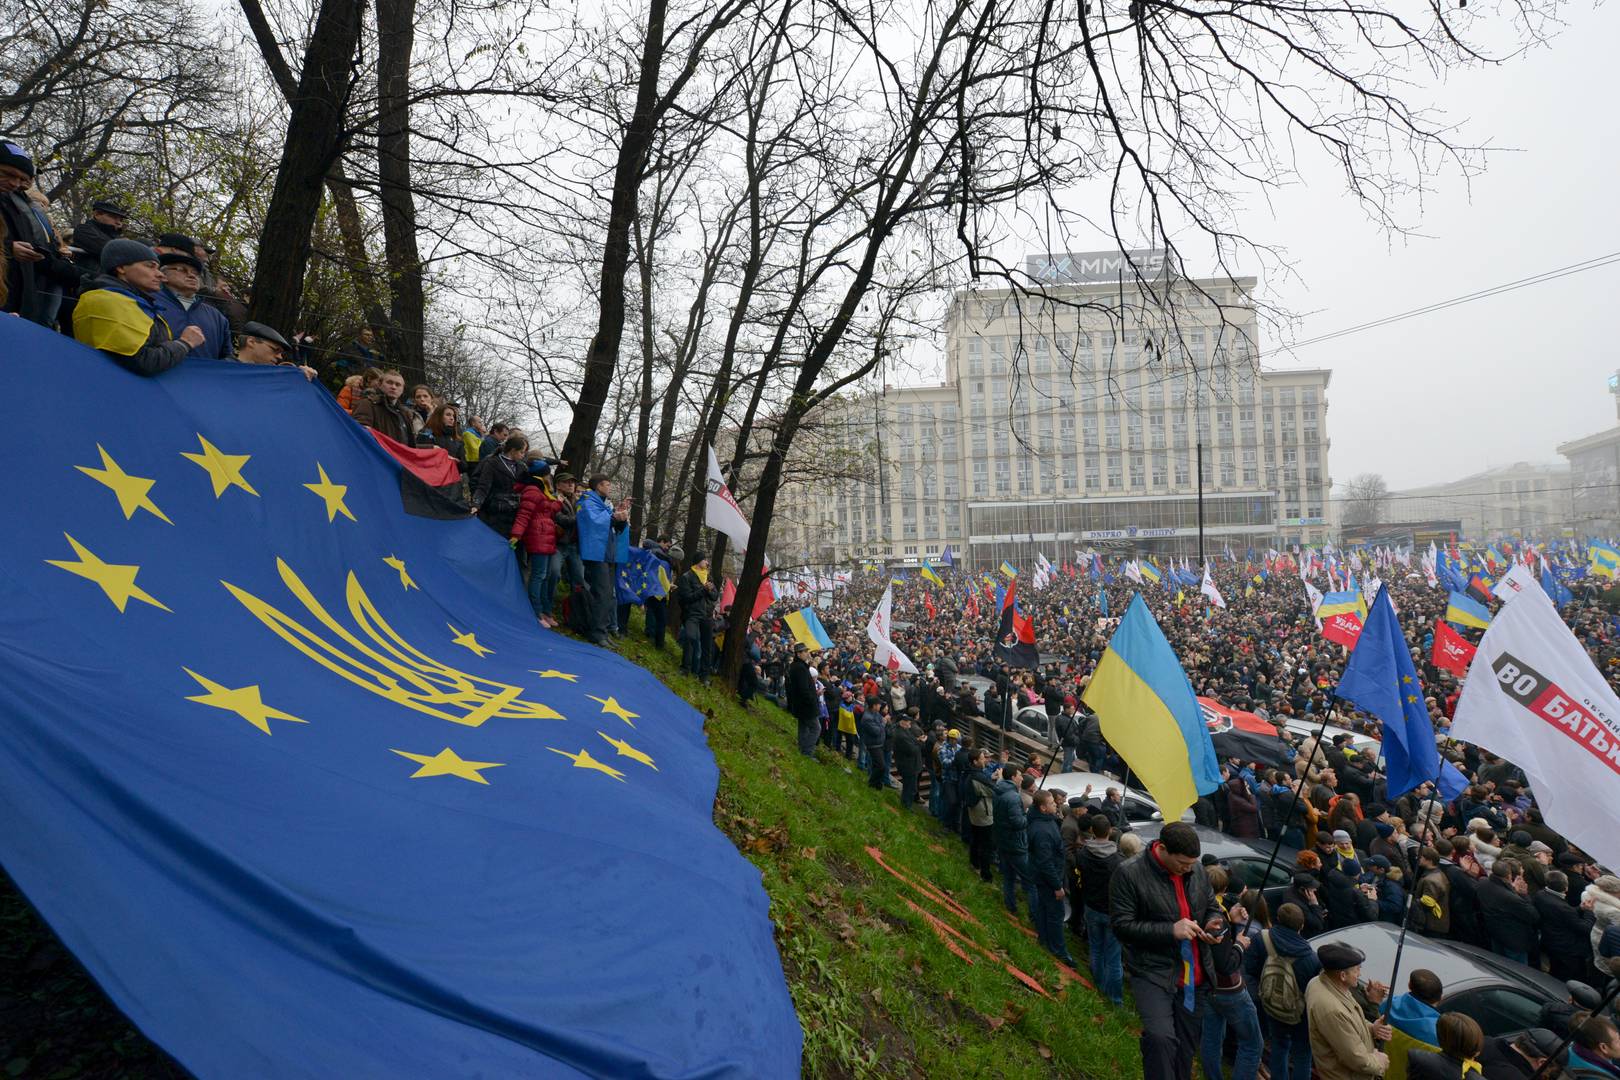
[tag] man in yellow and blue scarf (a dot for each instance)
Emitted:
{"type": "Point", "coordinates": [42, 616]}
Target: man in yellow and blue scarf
{"type": "Point", "coordinates": [118, 314]}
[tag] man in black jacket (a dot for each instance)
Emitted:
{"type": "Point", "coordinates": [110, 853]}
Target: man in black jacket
{"type": "Point", "coordinates": [106, 223]}
{"type": "Point", "coordinates": [1011, 830]}
{"type": "Point", "coordinates": [1158, 904]}
{"type": "Point", "coordinates": [1509, 916]}
{"type": "Point", "coordinates": [1048, 867]}
{"type": "Point", "coordinates": [801, 696]}
{"type": "Point", "coordinates": [1566, 932]}
{"type": "Point", "coordinates": [1466, 923]}
{"type": "Point", "coordinates": [697, 598]}
{"type": "Point", "coordinates": [908, 758]}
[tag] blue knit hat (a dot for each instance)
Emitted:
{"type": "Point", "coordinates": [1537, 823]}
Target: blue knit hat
{"type": "Point", "coordinates": [15, 156]}
{"type": "Point", "coordinates": [122, 252]}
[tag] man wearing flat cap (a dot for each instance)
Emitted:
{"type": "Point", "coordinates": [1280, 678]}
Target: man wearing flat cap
{"type": "Point", "coordinates": [105, 224]}
{"type": "Point", "coordinates": [180, 306]}
{"type": "Point", "coordinates": [1342, 1041]}
{"type": "Point", "coordinates": [261, 344]}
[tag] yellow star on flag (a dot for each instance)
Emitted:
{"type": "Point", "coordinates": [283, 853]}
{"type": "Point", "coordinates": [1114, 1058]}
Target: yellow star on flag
{"type": "Point", "coordinates": [448, 763]}
{"type": "Point", "coordinates": [243, 701]}
{"type": "Point", "coordinates": [1406, 678]}
{"type": "Point", "coordinates": [225, 470]}
{"type": "Point", "coordinates": [469, 641]}
{"type": "Point", "coordinates": [131, 490]}
{"type": "Point", "coordinates": [404, 578]}
{"type": "Point", "coordinates": [626, 750]}
{"type": "Point", "coordinates": [611, 705]}
{"type": "Point", "coordinates": [553, 673]}
{"type": "Point", "coordinates": [332, 494]}
{"type": "Point", "coordinates": [117, 581]}
{"type": "Point", "coordinates": [583, 760]}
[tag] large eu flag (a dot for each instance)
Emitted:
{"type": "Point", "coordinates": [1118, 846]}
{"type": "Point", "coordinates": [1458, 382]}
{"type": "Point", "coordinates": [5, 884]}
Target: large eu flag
{"type": "Point", "coordinates": [297, 777]}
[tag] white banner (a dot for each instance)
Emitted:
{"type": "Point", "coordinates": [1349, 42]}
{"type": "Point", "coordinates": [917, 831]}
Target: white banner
{"type": "Point", "coordinates": [1533, 696]}
{"type": "Point", "coordinates": [1514, 582]}
{"type": "Point", "coordinates": [1209, 589]}
{"type": "Point", "coordinates": [878, 629]}
{"type": "Point", "coordinates": [720, 510]}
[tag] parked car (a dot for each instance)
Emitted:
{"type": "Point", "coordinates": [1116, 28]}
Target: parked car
{"type": "Point", "coordinates": [1140, 809]}
{"type": "Point", "coordinates": [1502, 996]}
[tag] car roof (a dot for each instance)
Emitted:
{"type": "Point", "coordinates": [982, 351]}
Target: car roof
{"type": "Point", "coordinates": [1075, 782]}
{"type": "Point", "coordinates": [1308, 727]}
{"type": "Point", "coordinates": [1459, 967]}
{"type": "Point", "coordinates": [1224, 847]}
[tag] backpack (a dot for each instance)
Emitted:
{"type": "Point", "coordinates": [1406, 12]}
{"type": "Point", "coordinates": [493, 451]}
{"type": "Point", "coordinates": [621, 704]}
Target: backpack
{"type": "Point", "coordinates": [1279, 988]}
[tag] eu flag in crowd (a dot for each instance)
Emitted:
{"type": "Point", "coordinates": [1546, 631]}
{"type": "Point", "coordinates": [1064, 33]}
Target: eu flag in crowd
{"type": "Point", "coordinates": [639, 577]}
{"type": "Point", "coordinates": [1380, 679]}
{"type": "Point", "coordinates": [297, 776]}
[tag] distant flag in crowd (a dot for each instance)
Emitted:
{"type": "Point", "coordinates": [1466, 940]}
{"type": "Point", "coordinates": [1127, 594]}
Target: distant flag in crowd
{"type": "Point", "coordinates": [1208, 589]}
{"type": "Point", "coordinates": [1150, 715]}
{"type": "Point", "coordinates": [1451, 652]}
{"type": "Point", "coordinates": [946, 557]}
{"type": "Point", "coordinates": [879, 631]}
{"type": "Point", "coordinates": [1133, 572]}
{"type": "Point", "coordinates": [1015, 639]}
{"type": "Point", "coordinates": [1009, 570]}
{"type": "Point", "coordinates": [1380, 679]}
{"type": "Point", "coordinates": [1346, 600]}
{"type": "Point", "coordinates": [806, 628]}
{"type": "Point", "coordinates": [928, 605]}
{"type": "Point", "coordinates": [1517, 579]}
{"type": "Point", "coordinates": [1556, 590]}
{"type": "Point", "coordinates": [1149, 572]}
{"type": "Point", "coordinates": [1313, 596]}
{"type": "Point", "coordinates": [1536, 698]}
{"type": "Point", "coordinates": [1605, 559]}
{"type": "Point", "coordinates": [1102, 602]}
{"type": "Point", "coordinates": [1466, 611]}
{"type": "Point", "coordinates": [929, 574]}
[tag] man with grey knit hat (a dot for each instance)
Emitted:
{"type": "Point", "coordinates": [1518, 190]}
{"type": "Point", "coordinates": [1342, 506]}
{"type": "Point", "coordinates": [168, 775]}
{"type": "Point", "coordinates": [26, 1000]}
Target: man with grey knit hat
{"type": "Point", "coordinates": [119, 315]}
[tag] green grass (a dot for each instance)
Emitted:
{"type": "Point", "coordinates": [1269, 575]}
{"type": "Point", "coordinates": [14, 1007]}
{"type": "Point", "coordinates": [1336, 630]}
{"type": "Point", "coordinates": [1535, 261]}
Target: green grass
{"type": "Point", "coordinates": [877, 991]}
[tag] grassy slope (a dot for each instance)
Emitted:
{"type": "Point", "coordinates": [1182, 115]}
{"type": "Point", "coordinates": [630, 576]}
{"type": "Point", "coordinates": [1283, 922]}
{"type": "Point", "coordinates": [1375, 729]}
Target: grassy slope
{"type": "Point", "coordinates": [876, 990]}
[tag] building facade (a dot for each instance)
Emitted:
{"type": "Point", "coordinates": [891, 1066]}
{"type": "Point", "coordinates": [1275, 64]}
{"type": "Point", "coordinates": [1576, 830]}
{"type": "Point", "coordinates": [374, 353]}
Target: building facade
{"type": "Point", "coordinates": [1594, 481]}
{"type": "Point", "coordinates": [1076, 420]}
{"type": "Point", "coordinates": [1522, 499]}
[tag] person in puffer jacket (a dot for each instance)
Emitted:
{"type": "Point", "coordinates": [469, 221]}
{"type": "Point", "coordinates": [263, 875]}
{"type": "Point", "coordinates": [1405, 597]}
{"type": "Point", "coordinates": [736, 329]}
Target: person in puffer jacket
{"type": "Point", "coordinates": [536, 529]}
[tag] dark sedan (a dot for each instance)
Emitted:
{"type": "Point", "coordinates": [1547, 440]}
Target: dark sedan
{"type": "Point", "coordinates": [1504, 997]}
{"type": "Point", "coordinates": [1245, 860]}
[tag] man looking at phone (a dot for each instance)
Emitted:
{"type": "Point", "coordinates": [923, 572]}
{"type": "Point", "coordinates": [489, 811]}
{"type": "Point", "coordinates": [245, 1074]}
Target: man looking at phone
{"type": "Point", "coordinates": [603, 542]}
{"type": "Point", "coordinates": [1159, 903]}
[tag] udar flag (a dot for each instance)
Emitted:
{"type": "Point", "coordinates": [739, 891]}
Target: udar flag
{"type": "Point", "coordinates": [1451, 650]}
{"type": "Point", "coordinates": [1342, 629]}
{"type": "Point", "coordinates": [296, 775]}
{"type": "Point", "coordinates": [1533, 697]}
{"type": "Point", "coordinates": [1150, 715]}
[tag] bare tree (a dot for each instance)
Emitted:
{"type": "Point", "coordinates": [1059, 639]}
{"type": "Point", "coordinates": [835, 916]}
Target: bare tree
{"type": "Point", "coordinates": [1366, 499]}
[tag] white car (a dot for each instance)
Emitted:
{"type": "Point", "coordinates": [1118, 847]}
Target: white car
{"type": "Point", "coordinates": [1364, 744]}
{"type": "Point", "coordinates": [1139, 805]}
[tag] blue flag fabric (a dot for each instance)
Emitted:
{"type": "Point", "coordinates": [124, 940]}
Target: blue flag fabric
{"type": "Point", "coordinates": [298, 778]}
{"type": "Point", "coordinates": [638, 577]}
{"type": "Point", "coordinates": [1556, 590]}
{"type": "Point", "coordinates": [1380, 679]}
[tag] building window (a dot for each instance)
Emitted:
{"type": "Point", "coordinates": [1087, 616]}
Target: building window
{"type": "Point", "coordinates": [981, 477]}
{"type": "Point", "coordinates": [1228, 471]}
{"type": "Point", "coordinates": [1026, 474]}
{"type": "Point", "coordinates": [1111, 424]}
{"type": "Point", "coordinates": [1182, 472]}
{"type": "Point", "coordinates": [1092, 483]}
{"type": "Point", "coordinates": [1138, 472]}
{"type": "Point", "coordinates": [1161, 469]}
{"type": "Point", "coordinates": [1285, 396]}
{"type": "Point", "coordinates": [1116, 476]}
{"type": "Point", "coordinates": [1251, 472]}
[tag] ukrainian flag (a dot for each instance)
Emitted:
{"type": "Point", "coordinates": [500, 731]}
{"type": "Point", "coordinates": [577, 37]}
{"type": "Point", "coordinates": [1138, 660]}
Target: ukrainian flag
{"type": "Point", "coordinates": [1009, 569]}
{"type": "Point", "coordinates": [1337, 603]}
{"type": "Point", "coordinates": [928, 574]}
{"type": "Point", "coordinates": [1149, 571]}
{"type": "Point", "coordinates": [1605, 560]}
{"type": "Point", "coordinates": [1466, 611]}
{"type": "Point", "coordinates": [1150, 714]}
{"type": "Point", "coordinates": [806, 628]}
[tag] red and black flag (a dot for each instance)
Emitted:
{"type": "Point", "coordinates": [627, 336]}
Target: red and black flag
{"type": "Point", "coordinates": [429, 483]}
{"type": "Point", "coordinates": [1015, 640]}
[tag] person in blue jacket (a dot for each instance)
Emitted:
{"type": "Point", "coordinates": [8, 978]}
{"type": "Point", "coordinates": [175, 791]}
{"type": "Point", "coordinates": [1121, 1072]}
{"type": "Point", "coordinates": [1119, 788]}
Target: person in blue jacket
{"type": "Point", "coordinates": [604, 541]}
{"type": "Point", "coordinates": [180, 306]}
{"type": "Point", "coordinates": [1418, 1010]}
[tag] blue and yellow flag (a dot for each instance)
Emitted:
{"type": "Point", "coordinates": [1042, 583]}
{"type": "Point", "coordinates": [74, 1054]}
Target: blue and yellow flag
{"type": "Point", "coordinates": [1009, 570]}
{"type": "Point", "coordinates": [806, 628]}
{"type": "Point", "coordinates": [1605, 559]}
{"type": "Point", "coordinates": [1149, 571]}
{"type": "Point", "coordinates": [296, 775]}
{"type": "Point", "coordinates": [1464, 610]}
{"type": "Point", "coordinates": [1150, 714]}
{"type": "Point", "coordinates": [929, 574]}
{"type": "Point", "coordinates": [641, 576]}
{"type": "Point", "coordinates": [1338, 603]}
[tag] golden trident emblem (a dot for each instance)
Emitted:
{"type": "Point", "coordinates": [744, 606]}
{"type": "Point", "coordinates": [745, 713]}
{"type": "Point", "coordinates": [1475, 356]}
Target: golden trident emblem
{"type": "Point", "coordinates": [385, 663]}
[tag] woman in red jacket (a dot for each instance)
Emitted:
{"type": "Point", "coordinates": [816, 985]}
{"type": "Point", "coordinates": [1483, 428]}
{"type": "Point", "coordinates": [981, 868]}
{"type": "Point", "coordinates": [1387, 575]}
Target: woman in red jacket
{"type": "Point", "coordinates": [535, 527]}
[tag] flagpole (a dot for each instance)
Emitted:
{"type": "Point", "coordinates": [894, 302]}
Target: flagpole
{"type": "Point", "coordinates": [1293, 804]}
{"type": "Point", "coordinates": [1411, 894]}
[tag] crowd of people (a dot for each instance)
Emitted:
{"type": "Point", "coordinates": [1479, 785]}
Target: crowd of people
{"type": "Point", "coordinates": [1212, 964]}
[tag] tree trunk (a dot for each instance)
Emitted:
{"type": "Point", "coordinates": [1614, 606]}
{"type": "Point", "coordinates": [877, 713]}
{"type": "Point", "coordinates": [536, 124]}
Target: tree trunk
{"type": "Point", "coordinates": [601, 360]}
{"type": "Point", "coordinates": [645, 248]}
{"type": "Point", "coordinates": [315, 138]}
{"type": "Point", "coordinates": [350, 227]}
{"type": "Point", "coordinates": [396, 38]}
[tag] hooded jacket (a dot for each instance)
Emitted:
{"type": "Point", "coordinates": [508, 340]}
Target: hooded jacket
{"type": "Point", "coordinates": [534, 524]}
{"type": "Point", "coordinates": [1045, 849]}
{"type": "Point", "coordinates": [1097, 862]}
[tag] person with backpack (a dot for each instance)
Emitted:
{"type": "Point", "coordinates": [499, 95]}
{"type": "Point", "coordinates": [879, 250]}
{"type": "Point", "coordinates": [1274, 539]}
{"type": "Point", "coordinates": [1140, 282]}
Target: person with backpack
{"type": "Point", "coordinates": [1279, 964]}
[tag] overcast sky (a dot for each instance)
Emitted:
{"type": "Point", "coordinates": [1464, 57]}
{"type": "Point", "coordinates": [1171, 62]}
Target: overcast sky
{"type": "Point", "coordinates": [1498, 380]}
